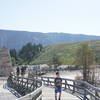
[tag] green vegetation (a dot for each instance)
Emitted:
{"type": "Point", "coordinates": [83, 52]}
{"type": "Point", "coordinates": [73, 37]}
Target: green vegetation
{"type": "Point", "coordinates": [27, 53]}
{"type": "Point", "coordinates": [66, 52]}
{"type": "Point", "coordinates": [85, 57]}
{"type": "Point", "coordinates": [55, 61]}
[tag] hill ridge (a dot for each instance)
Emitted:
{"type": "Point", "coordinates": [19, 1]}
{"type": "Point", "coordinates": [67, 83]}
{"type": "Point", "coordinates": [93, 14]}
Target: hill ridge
{"type": "Point", "coordinates": [16, 39]}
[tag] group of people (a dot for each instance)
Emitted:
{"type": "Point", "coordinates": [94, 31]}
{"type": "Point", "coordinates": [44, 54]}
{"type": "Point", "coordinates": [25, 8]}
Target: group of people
{"type": "Point", "coordinates": [20, 71]}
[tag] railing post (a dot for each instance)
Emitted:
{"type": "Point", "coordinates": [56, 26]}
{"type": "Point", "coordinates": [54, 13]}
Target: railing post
{"type": "Point", "coordinates": [73, 86]}
{"type": "Point", "coordinates": [42, 79]}
{"type": "Point", "coordinates": [18, 80]}
{"type": "Point", "coordinates": [22, 81]}
{"type": "Point", "coordinates": [27, 83]}
{"type": "Point", "coordinates": [48, 81]}
{"type": "Point", "coordinates": [65, 84]}
{"type": "Point", "coordinates": [96, 94]}
{"type": "Point", "coordinates": [36, 83]}
{"type": "Point", "coordinates": [84, 94]}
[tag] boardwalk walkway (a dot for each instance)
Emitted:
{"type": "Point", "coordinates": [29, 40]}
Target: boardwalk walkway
{"type": "Point", "coordinates": [5, 94]}
{"type": "Point", "coordinates": [48, 94]}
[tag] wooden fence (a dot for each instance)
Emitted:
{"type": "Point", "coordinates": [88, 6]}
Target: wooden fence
{"type": "Point", "coordinates": [29, 89]}
{"type": "Point", "coordinates": [81, 89]}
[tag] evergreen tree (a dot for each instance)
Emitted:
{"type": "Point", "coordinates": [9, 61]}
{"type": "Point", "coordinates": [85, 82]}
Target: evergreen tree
{"type": "Point", "coordinates": [30, 52]}
{"type": "Point", "coordinates": [13, 53]}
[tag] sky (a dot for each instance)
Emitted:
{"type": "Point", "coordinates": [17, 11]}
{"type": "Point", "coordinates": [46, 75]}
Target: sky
{"type": "Point", "coordinates": [68, 16]}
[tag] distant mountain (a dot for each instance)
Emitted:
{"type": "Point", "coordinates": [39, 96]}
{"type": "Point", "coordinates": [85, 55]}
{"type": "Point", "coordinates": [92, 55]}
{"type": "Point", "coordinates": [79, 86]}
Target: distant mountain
{"type": "Point", "coordinates": [16, 39]}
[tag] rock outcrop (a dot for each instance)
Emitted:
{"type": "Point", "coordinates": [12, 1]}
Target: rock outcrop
{"type": "Point", "coordinates": [5, 62]}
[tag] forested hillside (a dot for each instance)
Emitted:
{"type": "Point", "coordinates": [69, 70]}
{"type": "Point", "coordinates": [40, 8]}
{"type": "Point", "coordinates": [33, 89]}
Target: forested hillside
{"type": "Point", "coordinates": [66, 52]}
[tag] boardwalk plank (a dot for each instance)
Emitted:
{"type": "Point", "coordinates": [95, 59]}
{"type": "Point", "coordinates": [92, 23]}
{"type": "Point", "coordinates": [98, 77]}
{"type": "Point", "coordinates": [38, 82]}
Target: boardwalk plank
{"type": "Point", "coordinates": [48, 94]}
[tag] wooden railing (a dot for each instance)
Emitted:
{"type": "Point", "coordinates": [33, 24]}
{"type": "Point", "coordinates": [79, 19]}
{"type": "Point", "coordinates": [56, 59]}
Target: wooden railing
{"type": "Point", "coordinates": [32, 88]}
{"type": "Point", "coordinates": [36, 95]}
{"type": "Point", "coordinates": [29, 89]}
{"type": "Point", "coordinates": [81, 89]}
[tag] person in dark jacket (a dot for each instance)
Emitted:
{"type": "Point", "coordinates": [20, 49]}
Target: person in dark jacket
{"type": "Point", "coordinates": [58, 86]}
{"type": "Point", "coordinates": [17, 71]}
{"type": "Point", "coordinates": [22, 71]}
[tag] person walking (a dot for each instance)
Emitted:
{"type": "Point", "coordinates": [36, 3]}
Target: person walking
{"type": "Point", "coordinates": [22, 71]}
{"type": "Point", "coordinates": [58, 86]}
{"type": "Point", "coordinates": [17, 71]}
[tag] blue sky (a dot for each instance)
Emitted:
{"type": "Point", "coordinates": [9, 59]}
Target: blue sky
{"type": "Point", "coordinates": [69, 16]}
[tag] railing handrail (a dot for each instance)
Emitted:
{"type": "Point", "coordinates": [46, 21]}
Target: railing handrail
{"type": "Point", "coordinates": [83, 88]}
{"type": "Point", "coordinates": [76, 86]}
{"type": "Point", "coordinates": [28, 88]}
{"type": "Point", "coordinates": [79, 81]}
{"type": "Point", "coordinates": [30, 96]}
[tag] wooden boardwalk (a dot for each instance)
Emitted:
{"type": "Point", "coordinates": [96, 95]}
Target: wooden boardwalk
{"type": "Point", "coordinates": [48, 94]}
